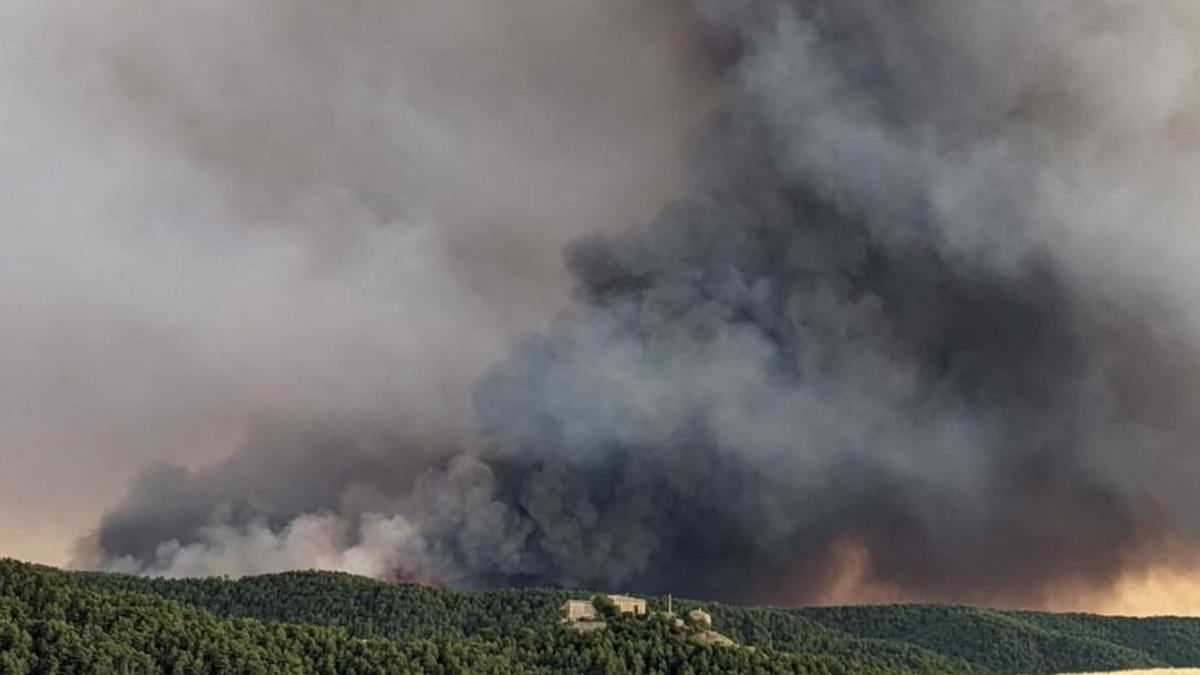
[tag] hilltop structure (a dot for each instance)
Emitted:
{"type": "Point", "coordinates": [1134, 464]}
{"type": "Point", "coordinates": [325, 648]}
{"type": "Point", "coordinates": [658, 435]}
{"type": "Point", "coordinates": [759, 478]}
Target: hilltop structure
{"type": "Point", "coordinates": [628, 605]}
{"type": "Point", "coordinates": [587, 615]}
{"type": "Point", "coordinates": [576, 611]}
{"type": "Point", "coordinates": [700, 618]}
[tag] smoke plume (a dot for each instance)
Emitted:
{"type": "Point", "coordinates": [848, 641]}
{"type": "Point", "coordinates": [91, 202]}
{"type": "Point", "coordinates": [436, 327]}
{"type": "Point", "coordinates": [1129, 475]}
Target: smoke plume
{"type": "Point", "coordinates": [922, 313]}
{"type": "Point", "coordinates": [233, 219]}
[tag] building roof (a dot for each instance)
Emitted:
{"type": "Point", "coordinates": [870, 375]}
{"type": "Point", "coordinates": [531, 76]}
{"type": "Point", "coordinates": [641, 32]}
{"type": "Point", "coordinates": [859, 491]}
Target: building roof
{"type": "Point", "coordinates": [624, 598]}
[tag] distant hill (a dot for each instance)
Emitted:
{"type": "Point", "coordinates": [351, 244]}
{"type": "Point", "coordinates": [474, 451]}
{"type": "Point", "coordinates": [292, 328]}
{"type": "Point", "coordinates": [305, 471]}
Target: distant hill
{"type": "Point", "coordinates": [321, 622]}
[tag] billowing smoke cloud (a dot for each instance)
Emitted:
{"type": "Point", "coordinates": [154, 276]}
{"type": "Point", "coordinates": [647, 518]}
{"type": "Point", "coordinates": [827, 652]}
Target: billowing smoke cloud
{"type": "Point", "coordinates": [234, 219]}
{"type": "Point", "coordinates": [924, 311]}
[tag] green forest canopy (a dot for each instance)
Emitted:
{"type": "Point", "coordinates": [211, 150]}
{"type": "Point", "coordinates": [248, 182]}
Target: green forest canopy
{"type": "Point", "coordinates": [53, 621]}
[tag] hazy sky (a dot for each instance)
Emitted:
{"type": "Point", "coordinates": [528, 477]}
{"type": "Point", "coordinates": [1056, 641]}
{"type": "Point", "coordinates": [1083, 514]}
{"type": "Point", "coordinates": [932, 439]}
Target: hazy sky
{"type": "Point", "coordinates": [224, 213]}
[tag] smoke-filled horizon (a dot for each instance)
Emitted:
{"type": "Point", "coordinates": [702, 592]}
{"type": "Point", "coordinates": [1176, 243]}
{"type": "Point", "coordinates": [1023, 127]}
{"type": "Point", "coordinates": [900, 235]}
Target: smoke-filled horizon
{"type": "Point", "coordinates": [231, 218]}
{"type": "Point", "coordinates": [917, 323]}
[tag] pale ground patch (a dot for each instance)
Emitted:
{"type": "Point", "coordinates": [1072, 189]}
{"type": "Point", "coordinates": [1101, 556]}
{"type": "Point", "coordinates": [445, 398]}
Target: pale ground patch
{"type": "Point", "coordinates": [1172, 671]}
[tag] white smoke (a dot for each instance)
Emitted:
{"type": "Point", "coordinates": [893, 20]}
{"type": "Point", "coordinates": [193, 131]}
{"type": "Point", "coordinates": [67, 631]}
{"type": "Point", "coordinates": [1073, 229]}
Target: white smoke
{"type": "Point", "coordinates": [382, 546]}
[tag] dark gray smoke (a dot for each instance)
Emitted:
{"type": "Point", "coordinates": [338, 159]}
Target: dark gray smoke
{"type": "Point", "coordinates": [906, 308]}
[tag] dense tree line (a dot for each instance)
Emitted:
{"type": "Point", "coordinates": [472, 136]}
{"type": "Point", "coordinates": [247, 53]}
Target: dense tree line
{"type": "Point", "coordinates": [1171, 640]}
{"type": "Point", "coordinates": [788, 631]}
{"type": "Point", "coordinates": [362, 606]}
{"type": "Point", "coordinates": [1014, 641]}
{"type": "Point", "coordinates": [369, 608]}
{"type": "Point", "coordinates": [50, 623]}
{"type": "Point", "coordinates": [316, 622]}
{"type": "Point", "coordinates": [977, 639]}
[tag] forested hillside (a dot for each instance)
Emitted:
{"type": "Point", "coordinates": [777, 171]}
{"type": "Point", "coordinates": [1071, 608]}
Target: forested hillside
{"type": "Point", "coordinates": [316, 622]}
{"type": "Point", "coordinates": [1013, 642]}
{"type": "Point", "coordinates": [56, 622]}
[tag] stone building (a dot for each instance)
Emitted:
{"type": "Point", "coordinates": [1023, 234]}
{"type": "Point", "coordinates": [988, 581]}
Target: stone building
{"type": "Point", "coordinates": [579, 610]}
{"type": "Point", "coordinates": [574, 611]}
{"type": "Point", "coordinates": [628, 605]}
